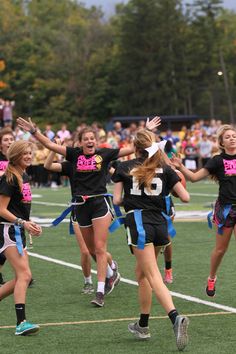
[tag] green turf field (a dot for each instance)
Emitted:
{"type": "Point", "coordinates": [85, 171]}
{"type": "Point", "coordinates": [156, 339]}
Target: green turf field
{"type": "Point", "coordinates": [69, 324]}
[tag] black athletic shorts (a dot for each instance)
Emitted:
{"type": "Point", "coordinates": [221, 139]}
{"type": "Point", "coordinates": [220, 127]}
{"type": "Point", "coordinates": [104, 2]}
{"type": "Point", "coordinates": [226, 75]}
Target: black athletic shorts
{"type": "Point", "coordinates": [155, 233]}
{"type": "Point", "coordinates": [93, 208]}
{"type": "Point", "coordinates": [7, 237]}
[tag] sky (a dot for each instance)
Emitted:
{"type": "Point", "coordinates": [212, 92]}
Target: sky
{"type": "Point", "coordinates": [109, 5]}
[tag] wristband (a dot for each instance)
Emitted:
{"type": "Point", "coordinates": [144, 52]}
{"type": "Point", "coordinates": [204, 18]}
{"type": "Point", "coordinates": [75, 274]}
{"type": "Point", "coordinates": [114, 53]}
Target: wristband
{"type": "Point", "coordinates": [19, 222]}
{"type": "Point", "coordinates": [33, 130]}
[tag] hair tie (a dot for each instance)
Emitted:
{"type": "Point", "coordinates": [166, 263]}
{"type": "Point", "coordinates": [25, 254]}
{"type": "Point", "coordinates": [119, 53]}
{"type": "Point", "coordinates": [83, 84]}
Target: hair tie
{"type": "Point", "coordinates": [155, 147]}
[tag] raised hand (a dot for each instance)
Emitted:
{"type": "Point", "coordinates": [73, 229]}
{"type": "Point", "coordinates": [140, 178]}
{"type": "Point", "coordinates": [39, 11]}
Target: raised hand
{"type": "Point", "coordinates": [176, 161]}
{"type": "Point", "coordinates": [26, 125]}
{"type": "Point", "coordinates": [154, 123]}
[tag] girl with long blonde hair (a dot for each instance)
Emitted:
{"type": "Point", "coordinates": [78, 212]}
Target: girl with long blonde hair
{"type": "Point", "coordinates": [15, 202]}
{"type": "Point", "coordinates": [222, 168]}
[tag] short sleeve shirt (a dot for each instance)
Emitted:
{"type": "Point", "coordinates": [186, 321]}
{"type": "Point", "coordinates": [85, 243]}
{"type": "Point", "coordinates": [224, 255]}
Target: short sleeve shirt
{"type": "Point", "coordinates": [136, 197]}
{"type": "Point", "coordinates": [90, 171]}
{"type": "Point", "coordinates": [3, 163]}
{"type": "Point", "coordinates": [67, 170]}
{"type": "Point", "coordinates": [20, 200]}
{"type": "Point", "coordinates": [223, 167]}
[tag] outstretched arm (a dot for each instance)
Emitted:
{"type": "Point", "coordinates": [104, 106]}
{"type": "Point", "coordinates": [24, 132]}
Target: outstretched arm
{"type": "Point", "coordinates": [150, 125]}
{"type": "Point", "coordinates": [29, 126]}
{"type": "Point", "coordinates": [49, 164]}
{"type": "Point", "coordinates": [189, 175]}
{"type": "Point", "coordinates": [117, 193]}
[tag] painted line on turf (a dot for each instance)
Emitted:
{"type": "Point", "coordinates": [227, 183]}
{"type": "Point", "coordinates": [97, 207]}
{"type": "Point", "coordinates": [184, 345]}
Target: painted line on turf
{"type": "Point", "coordinates": [51, 324]}
{"type": "Point", "coordinates": [132, 282]}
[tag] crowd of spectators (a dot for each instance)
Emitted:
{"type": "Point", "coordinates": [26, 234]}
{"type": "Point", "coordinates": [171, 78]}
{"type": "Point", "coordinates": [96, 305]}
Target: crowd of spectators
{"type": "Point", "coordinates": [195, 144]}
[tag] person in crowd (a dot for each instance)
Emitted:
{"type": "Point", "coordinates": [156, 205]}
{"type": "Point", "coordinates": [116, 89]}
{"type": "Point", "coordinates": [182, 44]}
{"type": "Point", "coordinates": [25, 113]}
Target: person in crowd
{"type": "Point", "coordinates": [205, 149]}
{"type": "Point", "coordinates": [222, 168]}
{"type": "Point", "coordinates": [8, 113]}
{"type": "Point", "coordinates": [146, 182]}
{"type": "Point", "coordinates": [89, 177]}
{"type": "Point", "coordinates": [191, 155]}
{"type": "Point", "coordinates": [48, 132]}
{"type": "Point", "coordinates": [63, 133]}
{"type": "Point", "coordinates": [15, 201]}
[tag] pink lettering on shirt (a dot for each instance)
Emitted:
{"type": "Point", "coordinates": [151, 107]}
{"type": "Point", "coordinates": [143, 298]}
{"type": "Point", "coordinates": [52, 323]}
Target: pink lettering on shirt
{"type": "Point", "coordinates": [230, 167]}
{"type": "Point", "coordinates": [26, 191]}
{"type": "Point", "coordinates": [92, 163]}
{"type": "Point", "coordinates": [3, 165]}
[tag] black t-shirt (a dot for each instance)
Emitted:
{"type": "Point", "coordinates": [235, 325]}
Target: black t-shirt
{"type": "Point", "coordinates": [67, 170]}
{"type": "Point", "coordinates": [223, 167]}
{"type": "Point", "coordinates": [3, 163]}
{"type": "Point", "coordinates": [20, 201]}
{"type": "Point", "coordinates": [89, 171]}
{"type": "Point", "coordinates": [152, 202]}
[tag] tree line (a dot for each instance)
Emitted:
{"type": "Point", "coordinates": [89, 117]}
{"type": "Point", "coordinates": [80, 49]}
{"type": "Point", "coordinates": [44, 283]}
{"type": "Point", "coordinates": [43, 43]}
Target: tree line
{"type": "Point", "coordinates": [63, 62]}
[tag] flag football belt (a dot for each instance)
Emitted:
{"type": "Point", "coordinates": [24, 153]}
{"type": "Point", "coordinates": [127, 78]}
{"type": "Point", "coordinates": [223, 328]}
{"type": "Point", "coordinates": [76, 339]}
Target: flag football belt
{"type": "Point", "coordinates": [80, 200]}
{"type": "Point", "coordinates": [119, 220]}
{"type": "Point", "coordinates": [225, 212]}
{"type": "Point", "coordinates": [19, 244]}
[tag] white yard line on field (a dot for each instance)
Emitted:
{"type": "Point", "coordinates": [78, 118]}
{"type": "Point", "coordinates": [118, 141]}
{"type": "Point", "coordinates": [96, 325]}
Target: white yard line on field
{"type": "Point", "coordinates": [131, 282]}
{"type": "Point", "coordinates": [70, 323]}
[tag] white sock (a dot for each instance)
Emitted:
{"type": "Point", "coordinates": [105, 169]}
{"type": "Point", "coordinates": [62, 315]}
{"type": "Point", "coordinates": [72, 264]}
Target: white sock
{"type": "Point", "coordinates": [101, 286]}
{"type": "Point", "coordinates": [109, 272]}
{"type": "Point", "coordinates": [113, 266]}
{"type": "Point", "coordinates": [88, 280]}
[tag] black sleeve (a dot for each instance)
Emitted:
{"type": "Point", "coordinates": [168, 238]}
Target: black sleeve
{"type": "Point", "coordinates": [8, 189]}
{"type": "Point", "coordinates": [118, 174]}
{"type": "Point", "coordinates": [66, 168]}
{"type": "Point", "coordinates": [172, 178]}
{"type": "Point", "coordinates": [71, 153]}
{"type": "Point", "coordinates": [110, 154]}
{"type": "Point", "coordinates": [212, 165]}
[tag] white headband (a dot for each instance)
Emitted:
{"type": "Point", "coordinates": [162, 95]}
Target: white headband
{"type": "Point", "coordinates": [155, 147]}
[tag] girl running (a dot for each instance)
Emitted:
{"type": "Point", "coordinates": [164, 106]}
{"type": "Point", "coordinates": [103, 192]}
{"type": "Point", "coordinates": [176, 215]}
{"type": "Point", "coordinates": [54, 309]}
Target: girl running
{"type": "Point", "coordinates": [6, 139]}
{"type": "Point", "coordinates": [89, 179]}
{"type": "Point", "coordinates": [15, 201]}
{"type": "Point", "coordinates": [86, 250]}
{"type": "Point", "coordinates": [222, 168]}
{"type": "Point", "coordinates": [146, 182]}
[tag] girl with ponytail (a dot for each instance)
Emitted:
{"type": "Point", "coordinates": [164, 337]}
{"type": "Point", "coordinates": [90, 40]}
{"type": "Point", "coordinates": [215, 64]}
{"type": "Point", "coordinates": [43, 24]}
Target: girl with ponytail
{"type": "Point", "coordinates": [142, 186]}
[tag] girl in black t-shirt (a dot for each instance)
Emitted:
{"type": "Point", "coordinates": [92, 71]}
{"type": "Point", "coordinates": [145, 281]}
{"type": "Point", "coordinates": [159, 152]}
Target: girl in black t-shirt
{"type": "Point", "coordinates": [65, 168]}
{"type": "Point", "coordinates": [15, 201]}
{"type": "Point", "coordinates": [89, 181]}
{"type": "Point", "coordinates": [146, 182]}
{"type": "Point", "coordinates": [222, 168]}
{"type": "Point", "coordinates": [6, 139]}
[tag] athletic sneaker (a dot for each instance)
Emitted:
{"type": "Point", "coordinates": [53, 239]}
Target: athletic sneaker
{"type": "Point", "coordinates": [180, 329]}
{"type": "Point", "coordinates": [116, 266]}
{"type": "Point", "coordinates": [168, 277]}
{"type": "Point", "coordinates": [2, 282]}
{"type": "Point", "coordinates": [88, 288]}
{"type": "Point", "coordinates": [111, 282]}
{"type": "Point", "coordinates": [25, 328]}
{"type": "Point", "coordinates": [139, 332]}
{"type": "Point", "coordinates": [98, 300]}
{"type": "Point", "coordinates": [210, 288]}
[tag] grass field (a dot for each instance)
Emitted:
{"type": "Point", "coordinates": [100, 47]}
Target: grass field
{"type": "Point", "coordinates": [69, 324]}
